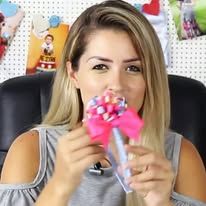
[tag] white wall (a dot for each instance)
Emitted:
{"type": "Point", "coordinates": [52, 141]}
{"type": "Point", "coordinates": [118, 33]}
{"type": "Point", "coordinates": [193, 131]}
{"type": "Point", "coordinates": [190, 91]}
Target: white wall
{"type": "Point", "coordinates": [187, 58]}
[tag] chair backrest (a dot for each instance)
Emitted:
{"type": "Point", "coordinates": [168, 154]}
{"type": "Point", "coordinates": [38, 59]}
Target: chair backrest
{"type": "Point", "coordinates": [24, 101]}
{"type": "Point", "coordinates": [188, 110]}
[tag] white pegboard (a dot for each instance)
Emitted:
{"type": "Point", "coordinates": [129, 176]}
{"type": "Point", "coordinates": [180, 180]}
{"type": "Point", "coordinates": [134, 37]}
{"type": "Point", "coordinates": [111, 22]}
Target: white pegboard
{"type": "Point", "coordinates": [187, 57]}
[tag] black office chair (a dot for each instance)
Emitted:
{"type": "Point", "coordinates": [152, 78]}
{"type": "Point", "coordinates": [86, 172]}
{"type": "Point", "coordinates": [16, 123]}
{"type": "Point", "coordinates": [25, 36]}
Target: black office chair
{"type": "Point", "coordinates": [24, 101]}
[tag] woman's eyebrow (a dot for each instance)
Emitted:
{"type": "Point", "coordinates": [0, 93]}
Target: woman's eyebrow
{"type": "Point", "coordinates": [100, 58]}
{"type": "Point", "coordinates": [109, 60]}
{"type": "Point", "coordinates": [131, 60]}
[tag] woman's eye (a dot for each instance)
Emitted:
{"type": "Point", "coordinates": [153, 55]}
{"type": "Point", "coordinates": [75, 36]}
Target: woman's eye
{"type": "Point", "coordinates": [100, 67]}
{"type": "Point", "coordinates": [133, 68]}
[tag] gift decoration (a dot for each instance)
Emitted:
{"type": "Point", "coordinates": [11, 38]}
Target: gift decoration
{"type": "Point", "coordinates": [107, 115]}
{"type": "Point", "coordinates": [10, 18]}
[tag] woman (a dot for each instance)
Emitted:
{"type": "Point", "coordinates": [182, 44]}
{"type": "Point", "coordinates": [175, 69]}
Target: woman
{"type": "Point", "coordinates": [111, 46]}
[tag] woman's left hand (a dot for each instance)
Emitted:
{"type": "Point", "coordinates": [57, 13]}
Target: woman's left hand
{"type": "Point", "coordinates": [152, 176]}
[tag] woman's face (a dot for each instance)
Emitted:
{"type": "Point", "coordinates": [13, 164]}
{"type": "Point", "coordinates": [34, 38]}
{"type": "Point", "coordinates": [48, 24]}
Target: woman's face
{"type": "Point", "coordinates": [110, 62]}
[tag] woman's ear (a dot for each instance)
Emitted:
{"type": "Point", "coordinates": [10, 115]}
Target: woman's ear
{"type": "Point", "coordinates": [72, 74]}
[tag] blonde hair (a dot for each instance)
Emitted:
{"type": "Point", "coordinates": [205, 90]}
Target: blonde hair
{"type": "Point", "coordinates": [66, 106]}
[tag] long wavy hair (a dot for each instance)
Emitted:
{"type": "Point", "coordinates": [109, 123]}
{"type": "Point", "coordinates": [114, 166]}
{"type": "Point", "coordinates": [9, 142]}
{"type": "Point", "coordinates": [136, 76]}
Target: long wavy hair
{"type": "Point", "coordinates": [66, 107]}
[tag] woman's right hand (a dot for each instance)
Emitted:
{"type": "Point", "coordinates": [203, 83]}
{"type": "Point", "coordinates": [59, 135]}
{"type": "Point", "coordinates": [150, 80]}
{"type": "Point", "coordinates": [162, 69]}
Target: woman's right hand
{"type": "Point", "coordinates": [74, 154]}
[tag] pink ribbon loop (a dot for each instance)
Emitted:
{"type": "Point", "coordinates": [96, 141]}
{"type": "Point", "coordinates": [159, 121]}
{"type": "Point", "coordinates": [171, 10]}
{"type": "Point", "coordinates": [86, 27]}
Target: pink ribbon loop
{"type": "Point", "coordinates": [129, 123]}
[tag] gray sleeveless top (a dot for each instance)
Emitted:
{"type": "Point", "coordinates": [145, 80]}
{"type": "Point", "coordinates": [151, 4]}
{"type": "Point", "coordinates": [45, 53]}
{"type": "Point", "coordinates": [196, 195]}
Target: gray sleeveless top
{"type": "Point", "coordinates": [93, 190]}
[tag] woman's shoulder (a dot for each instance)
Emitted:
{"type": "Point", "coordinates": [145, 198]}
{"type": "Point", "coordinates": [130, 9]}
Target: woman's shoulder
{"type": "Point", "coordinates": [22, 161]}
{"type": "Point", "coordinates": [180, 150]}
{"type": "Point", "coordinates": [31, 154]}
{"type": "Point", "coordinates": [190, 158]}
{"type": "Point", "coordinates": [191, 175]}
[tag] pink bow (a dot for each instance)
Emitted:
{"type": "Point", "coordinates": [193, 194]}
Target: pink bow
{"type": "Point", "coordinates": [129, 123]}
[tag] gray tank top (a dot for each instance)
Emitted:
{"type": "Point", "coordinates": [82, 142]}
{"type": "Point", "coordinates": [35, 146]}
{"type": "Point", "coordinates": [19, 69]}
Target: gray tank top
{"type": "Point", "coordinates": [94, 190]}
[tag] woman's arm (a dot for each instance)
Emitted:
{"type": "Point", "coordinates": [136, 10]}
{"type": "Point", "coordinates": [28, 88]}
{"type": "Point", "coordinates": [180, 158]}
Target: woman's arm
{"type": "Point", "coordinates": [22, 161]}
{"type": "Point", "coordinates": [74, 154]}
{"type": "Point", "coordinates": [21, 166]}
{"type": "Point", "coordinates": [191, 178]}
{"type": "Point", "coordinates": [54, 194]}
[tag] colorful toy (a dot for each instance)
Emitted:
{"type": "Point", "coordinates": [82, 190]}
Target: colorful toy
{"type": "Point", "coordinates": [109, 114]}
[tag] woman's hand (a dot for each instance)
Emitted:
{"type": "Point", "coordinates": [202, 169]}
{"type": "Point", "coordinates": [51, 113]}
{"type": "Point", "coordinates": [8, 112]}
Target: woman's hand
{"type": "Point", "coordinates": [152, 176]}
{"type": "Point", "coordinates": [74, 154]}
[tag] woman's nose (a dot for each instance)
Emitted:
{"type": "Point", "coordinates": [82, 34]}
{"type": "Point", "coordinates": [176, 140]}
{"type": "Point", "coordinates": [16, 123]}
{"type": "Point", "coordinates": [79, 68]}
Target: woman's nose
{"type": "Point", "coordinates": [116, 83]}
